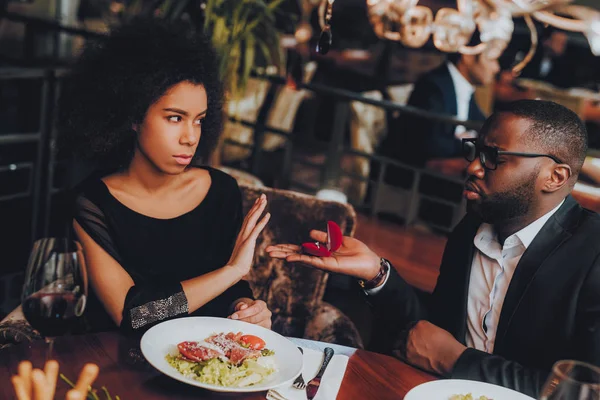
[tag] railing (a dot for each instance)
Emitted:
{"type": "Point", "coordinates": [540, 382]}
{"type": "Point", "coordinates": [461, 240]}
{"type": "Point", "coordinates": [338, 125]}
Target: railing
{"type": "Point", "coordinates": [40, 139]}
{"type": "Point", "coordinates": [38, 171]}
{"type": "Point", "coordinates": [335, 150]}
{"type": "Point", "coordinates": [41, 190]}
{"type": "Point", "coordinates": [34, 26]}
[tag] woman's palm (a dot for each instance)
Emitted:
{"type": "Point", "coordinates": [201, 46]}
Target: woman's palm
{"type": "Point", "coordinates": [245, 244]}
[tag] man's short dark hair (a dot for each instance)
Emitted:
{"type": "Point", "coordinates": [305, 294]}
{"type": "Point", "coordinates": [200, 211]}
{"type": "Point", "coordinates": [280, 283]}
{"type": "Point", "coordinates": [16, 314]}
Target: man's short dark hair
{"type": "Point", "coordinates": [116, 80]}
{"type": "Point", "coordinates": [555, 130]}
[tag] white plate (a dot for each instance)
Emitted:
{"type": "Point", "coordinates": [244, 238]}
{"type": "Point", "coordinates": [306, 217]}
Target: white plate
{"type": "Point", "coordinates": [445, 388]}
{"type": "Point", "coordinates": [163, 338]}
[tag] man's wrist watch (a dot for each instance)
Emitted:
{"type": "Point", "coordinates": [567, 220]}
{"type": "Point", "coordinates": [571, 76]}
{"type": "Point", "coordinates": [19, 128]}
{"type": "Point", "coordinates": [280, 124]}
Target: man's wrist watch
{"type": "Point", "coordinates": [384, 267]}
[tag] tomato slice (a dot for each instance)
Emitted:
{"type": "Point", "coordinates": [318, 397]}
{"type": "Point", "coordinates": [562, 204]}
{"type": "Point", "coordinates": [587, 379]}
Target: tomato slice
{"type": "Point", "coordinates": [253, 342]}
{"type": "Point", "coordinates": [194, 351]}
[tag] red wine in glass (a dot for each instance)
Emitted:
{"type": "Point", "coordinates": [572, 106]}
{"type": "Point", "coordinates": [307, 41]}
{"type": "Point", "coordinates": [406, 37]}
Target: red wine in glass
{"type": "Point", "coordinates": [51, 314]}
{"type": "Point", "coordinates": [55, 287]}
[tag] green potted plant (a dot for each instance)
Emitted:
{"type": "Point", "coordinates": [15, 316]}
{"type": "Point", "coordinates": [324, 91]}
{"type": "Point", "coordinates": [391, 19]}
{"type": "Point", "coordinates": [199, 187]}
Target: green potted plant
{"type": "Point", "coordinates": [245, 36]}
{"type": "Point", "coordinates": [244, 32]}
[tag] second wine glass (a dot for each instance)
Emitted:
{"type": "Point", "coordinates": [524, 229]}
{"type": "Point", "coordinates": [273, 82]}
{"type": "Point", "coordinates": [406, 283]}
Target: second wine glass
{"type": "Point", "coordinates": [572, 380]}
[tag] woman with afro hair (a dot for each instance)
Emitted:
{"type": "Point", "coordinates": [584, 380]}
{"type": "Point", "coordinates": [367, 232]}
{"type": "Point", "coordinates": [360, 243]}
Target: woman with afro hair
{"type": "Point", "coordinates": [162, 236]}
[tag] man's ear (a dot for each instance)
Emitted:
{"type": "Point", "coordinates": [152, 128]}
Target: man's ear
{"type": "Point", "coordinates": [558, 178]}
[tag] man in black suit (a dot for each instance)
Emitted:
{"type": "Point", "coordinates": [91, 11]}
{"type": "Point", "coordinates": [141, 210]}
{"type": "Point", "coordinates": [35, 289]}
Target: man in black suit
{"type": "Point", "coordinates": [519, 283]}
{"type": "Point", "coordinates": [550, 62]}
{"type": "Point", "coordinates": [447, 90]}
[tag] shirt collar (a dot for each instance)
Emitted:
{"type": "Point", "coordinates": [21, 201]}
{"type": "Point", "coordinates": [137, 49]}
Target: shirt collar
{"type": "Point", "coordinates": [486, 234]}
{"type": "Point", "coordinates": [527, 234]}
{"type": "Point", "coordinates": [462, 86]}
{"type": "Point", "coordinates": [486, 241]}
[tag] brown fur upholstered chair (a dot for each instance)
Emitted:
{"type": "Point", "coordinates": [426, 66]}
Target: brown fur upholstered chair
{"type": "Point", "coordinates": [294, 293]}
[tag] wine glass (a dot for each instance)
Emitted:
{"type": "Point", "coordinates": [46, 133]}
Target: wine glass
{"type": "Point", "coordinates": [572, 380]}
{"type": "Point", "coordinates": [55, 287]}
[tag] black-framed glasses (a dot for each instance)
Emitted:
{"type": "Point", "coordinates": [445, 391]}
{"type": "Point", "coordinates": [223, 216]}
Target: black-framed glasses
{"type": "Point", "coordinates": [488, 155]}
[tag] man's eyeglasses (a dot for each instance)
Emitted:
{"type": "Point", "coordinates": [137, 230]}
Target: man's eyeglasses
{"type": "Point", "coordinates": [489, 155]}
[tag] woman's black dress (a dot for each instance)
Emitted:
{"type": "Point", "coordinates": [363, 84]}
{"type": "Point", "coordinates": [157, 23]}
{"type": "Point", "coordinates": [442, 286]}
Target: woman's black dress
{"type": "Point", "coordinates": [160, 253]}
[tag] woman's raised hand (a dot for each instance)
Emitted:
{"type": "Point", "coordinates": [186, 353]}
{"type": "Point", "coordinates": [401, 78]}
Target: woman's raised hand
{"type": "Point", "coordinates": [243, 251]}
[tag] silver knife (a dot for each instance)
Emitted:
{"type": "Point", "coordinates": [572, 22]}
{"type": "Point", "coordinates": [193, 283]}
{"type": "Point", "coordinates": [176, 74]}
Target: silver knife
{"type": "Point", "coordinates": [313, 385]}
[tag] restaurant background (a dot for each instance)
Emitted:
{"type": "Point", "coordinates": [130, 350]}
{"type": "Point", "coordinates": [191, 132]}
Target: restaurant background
{"type": "Point", "coordinates": [317, 128]}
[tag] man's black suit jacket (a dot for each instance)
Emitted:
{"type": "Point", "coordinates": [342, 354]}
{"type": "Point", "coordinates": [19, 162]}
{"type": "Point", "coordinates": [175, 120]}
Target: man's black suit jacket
{"type": "Point", "coordinates": [551, 310]}
{"type": "Point", "coordinates": [414, 139]}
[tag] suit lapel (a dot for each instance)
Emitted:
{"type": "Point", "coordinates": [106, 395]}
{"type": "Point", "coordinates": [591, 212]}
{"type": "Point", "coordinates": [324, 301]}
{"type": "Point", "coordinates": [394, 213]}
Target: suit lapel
{"type": "Point", "coordinates": [449, 91]}
{"type": "Point", "coordinates": [553, 234]}
{"type": "Point", "coordinates": [444, 82]}
{"type": "Point", "coordinates": [446, 85]}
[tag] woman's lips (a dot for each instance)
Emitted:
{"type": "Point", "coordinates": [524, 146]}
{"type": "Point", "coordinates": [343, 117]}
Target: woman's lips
{"type": "Point", "coordinates": [183, 159]}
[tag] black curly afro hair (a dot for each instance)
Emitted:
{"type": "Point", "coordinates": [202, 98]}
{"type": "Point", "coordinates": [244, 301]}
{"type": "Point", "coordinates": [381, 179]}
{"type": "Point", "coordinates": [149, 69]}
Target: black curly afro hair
{"type": "Point", "coordinates": [116, 80]}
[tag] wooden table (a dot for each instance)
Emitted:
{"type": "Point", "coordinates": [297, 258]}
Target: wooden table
{"type": "Point", "coordinates": [124, 371]}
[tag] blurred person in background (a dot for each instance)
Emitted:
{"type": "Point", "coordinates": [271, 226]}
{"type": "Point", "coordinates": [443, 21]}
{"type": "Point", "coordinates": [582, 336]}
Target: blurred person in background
{"type": "Point", "coordinates": [449, 91]}
{"type": "Point", "coordinates": [549, 64]}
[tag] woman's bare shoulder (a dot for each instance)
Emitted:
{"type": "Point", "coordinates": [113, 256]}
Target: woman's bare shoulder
{"type": "Point", "coordinates": [114, 181]}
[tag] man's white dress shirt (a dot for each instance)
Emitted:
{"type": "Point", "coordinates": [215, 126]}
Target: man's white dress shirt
{"type": "Point", "coordinates": [464, 92]}
{"type": "Point", "coordinates": [492, 269]}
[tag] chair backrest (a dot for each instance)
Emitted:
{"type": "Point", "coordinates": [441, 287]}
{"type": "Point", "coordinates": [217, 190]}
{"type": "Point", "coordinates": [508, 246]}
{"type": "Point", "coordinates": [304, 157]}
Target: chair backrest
{"type": "Point", "coordinates": [292, 291]}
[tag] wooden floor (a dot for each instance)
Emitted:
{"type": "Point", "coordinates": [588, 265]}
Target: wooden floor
{"type": "Point", "coordinates": [414, 252]}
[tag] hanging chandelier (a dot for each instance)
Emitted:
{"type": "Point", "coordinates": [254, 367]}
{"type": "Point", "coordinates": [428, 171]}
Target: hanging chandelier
{"type": "Point", "coordinates": [411, 24]}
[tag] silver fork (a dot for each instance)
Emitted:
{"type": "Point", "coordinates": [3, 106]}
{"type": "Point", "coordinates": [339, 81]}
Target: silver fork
{"type": "Point", "coordinates": [299, 382]}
